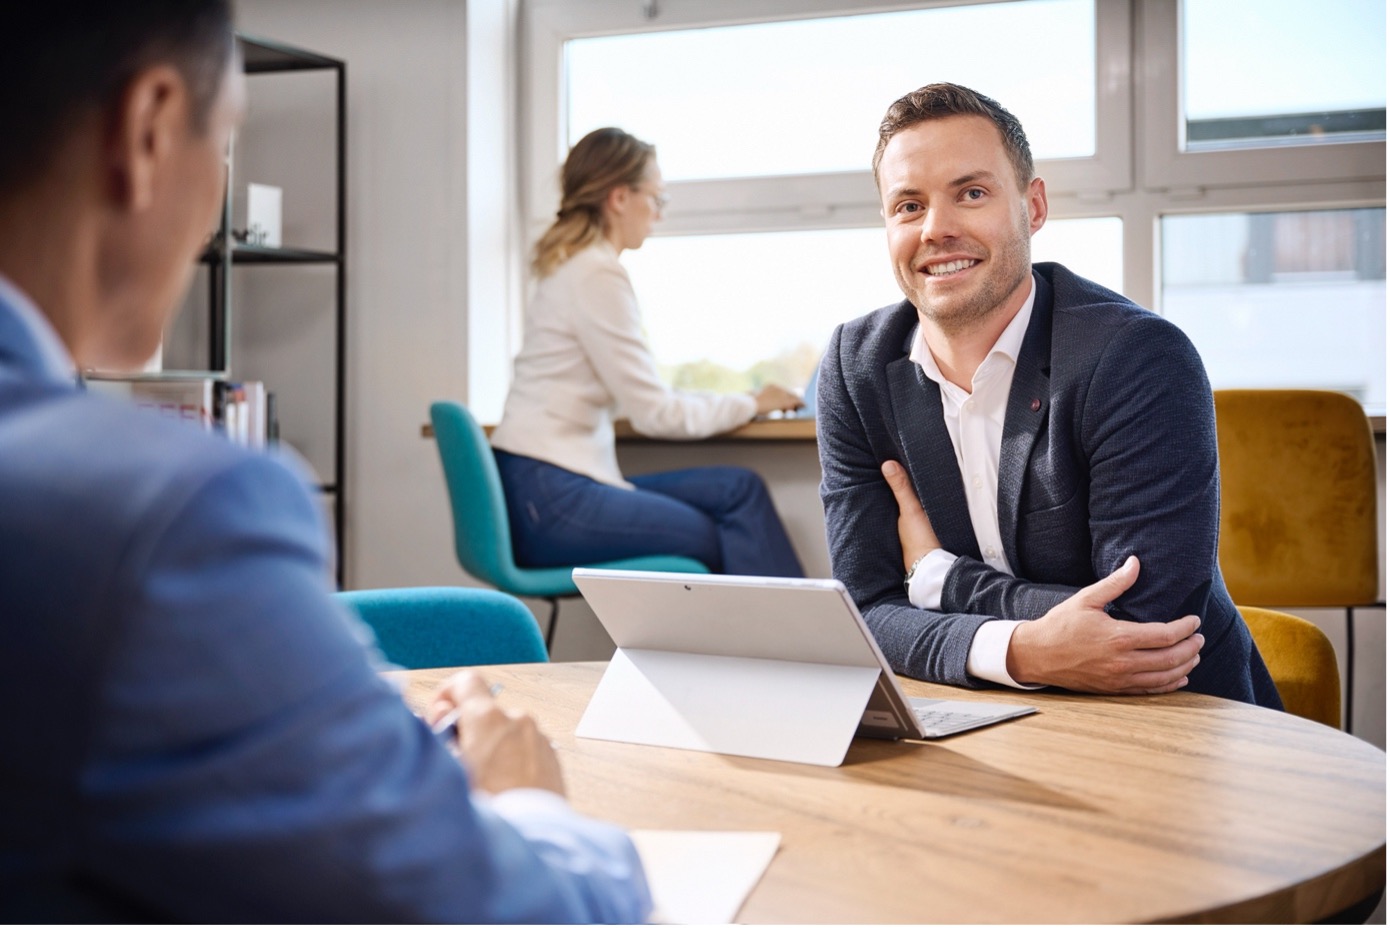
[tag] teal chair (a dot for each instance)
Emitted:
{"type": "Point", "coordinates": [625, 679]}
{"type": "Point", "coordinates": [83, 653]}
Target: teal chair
{"type": "Point", "coordinates": [423, 627]}
{"type": "Point", "coordinates": [482, 534]}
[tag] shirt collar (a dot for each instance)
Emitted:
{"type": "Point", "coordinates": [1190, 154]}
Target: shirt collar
{"type": "Point", "coordinates": [53, 354]}
{"type": "Point", "coordinates": [1008, 345]}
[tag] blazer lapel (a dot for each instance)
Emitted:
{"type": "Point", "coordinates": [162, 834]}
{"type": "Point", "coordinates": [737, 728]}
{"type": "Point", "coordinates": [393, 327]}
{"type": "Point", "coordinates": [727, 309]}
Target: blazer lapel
{"type": "Point", "coordinates": [929, 456]}
{"type": "Point", "coordinates": [1025, 414]}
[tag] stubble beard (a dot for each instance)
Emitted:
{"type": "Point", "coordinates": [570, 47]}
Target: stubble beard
{"type": "Point", "coordinates": [957, 314]}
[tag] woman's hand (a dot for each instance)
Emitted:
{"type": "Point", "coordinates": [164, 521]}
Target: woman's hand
{"type": "Point", "coordinates": [773, 398]}
{"type": "Point", "coordinates": [915, 533]}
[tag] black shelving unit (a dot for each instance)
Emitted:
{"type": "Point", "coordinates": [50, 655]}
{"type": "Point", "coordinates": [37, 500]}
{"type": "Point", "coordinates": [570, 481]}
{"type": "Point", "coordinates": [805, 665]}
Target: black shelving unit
{"type": "Point", "coordinates": [262, 56]}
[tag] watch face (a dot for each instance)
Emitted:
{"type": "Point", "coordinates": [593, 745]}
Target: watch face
{"type": "Point", "coordinates": [911, 571]}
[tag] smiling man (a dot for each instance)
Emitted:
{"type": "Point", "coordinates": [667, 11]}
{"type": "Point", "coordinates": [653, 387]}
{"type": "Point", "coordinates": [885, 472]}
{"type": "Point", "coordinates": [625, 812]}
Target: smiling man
{"type": "Point", "coordinates": [1042, 450]}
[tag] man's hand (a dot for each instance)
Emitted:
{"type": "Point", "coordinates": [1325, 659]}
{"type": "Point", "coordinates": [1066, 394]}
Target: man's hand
{"type": "Point", "coordinates": [915, 533]}
{"type": "Point", "coordinates": [502, 749]}
{"type": "Point", "coordinates": [1076, 645]}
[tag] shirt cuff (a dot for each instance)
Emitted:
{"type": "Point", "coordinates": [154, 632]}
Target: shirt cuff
{"type": "Point", "coordinates": [924, 589]}
{"type": "Point", "coordinates": [599, 858]}
{"type": "Point", "coordinates": [989, 651]}
{"type": "Point", "coordinates": [526, 802]}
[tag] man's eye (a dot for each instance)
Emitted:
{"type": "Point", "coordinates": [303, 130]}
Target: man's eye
{"type": "Point", "coordinates": [909, 207]}
{"type": "Point", "coordinates": [974, 193]}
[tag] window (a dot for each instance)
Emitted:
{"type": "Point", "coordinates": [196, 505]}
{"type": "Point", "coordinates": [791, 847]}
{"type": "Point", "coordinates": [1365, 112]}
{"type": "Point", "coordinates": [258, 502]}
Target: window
{"type": "Point", "coordinates": [1093, 248]}
{"type": "Point", "coordinates": [765, 116]}
{"type": "Point", "coordinates": [1295, 299]}
{"type": "Point", "coordinates": [1266, 72]}
{"type": "Point", "coordinates": [1221, 161]}
{"type": "Point", "coordinates": [732, 312]}
{"type": "Point", "coordinates": [767, 111]}
{"type": "Point", "coordinates": [806, 96]}
{"type": "Point", "coordinates": [1242, 92]}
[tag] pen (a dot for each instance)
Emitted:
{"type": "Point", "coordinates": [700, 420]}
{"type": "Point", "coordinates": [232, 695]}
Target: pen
{"type": "Point", "coordinates": [448, 725]}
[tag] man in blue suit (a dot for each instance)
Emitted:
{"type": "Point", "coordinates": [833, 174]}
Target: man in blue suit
{"type": "Point", "coordinates": [192, 729]}
{"type": "Point", "coordinates": [1042, 449]}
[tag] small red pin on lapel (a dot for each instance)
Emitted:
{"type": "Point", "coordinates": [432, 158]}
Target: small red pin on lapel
{"type": "Point", "coordinates": [1036, 405]}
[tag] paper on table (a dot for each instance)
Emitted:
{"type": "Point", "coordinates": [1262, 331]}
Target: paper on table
{"type": "Point", "coordinates": [703, 877]}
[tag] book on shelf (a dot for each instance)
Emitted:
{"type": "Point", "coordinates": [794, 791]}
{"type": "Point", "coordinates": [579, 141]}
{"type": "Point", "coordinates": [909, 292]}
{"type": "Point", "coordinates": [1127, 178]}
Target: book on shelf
{"type": "Point", "coordinates": [240, 410]}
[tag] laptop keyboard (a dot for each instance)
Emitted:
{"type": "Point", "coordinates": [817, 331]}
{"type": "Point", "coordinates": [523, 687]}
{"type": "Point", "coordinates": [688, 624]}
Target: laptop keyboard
{"type": "Point", "coordinates": [937, 722]}
{"type": "Point", "coordinates": [941, 717]}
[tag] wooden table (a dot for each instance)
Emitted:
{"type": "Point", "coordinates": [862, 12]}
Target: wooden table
{"type": "Point", "coordinates": [1098, 809]}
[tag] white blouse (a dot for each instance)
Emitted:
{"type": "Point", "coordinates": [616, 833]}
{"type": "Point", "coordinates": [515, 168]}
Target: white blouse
{"type": "Point", "coordinates": [584, 362]}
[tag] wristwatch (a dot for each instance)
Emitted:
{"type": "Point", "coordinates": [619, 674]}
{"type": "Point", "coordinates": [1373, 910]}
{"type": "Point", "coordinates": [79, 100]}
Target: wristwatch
{"type": "Point", "coordinates": [907, 581]}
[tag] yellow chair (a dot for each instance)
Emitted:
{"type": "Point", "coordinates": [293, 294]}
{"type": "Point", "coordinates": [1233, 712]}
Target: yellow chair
{"type": "Point", "coordinates": [1298, 502]}
{"type": "Point", "coordinates": [1301, 661]}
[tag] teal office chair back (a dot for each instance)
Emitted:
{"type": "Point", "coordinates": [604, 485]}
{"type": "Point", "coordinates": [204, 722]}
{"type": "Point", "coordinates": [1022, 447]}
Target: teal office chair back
{"type": "Point", "coordinates": [425, 627]}
{"type": "Point", "coordinates": [482, 534]}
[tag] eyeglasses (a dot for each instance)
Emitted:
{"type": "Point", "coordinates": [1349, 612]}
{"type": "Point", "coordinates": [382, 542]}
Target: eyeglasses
{"type": "Point", "coordinates": [659, 200]}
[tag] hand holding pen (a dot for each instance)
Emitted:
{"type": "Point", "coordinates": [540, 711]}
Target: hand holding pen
{"type": "Point", "coordinates": [502, 749]}
{"type": "Point", "coordinates": [447, 725]}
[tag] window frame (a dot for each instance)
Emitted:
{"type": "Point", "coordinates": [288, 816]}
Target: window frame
{"type": "Point", "coordinates": [784, 202]}
{"type": "Point", "coordinates": [1166, 165]}
{"type": "Point", "coordinates": [1137, 174]}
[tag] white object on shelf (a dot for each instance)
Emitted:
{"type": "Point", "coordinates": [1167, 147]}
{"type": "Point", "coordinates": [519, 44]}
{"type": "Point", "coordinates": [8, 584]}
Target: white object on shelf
{"type": "Point", "coordinates": [263, 215]}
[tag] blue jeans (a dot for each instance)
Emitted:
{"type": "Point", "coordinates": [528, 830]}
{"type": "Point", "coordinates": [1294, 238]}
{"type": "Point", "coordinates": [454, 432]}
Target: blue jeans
{"type": "Point", "coordinates": [720, 516]}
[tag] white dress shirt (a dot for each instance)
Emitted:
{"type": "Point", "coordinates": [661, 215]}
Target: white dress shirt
{"type": "Point", "coordinates": [975, 422]}
{"type": "Point", "coordinates": [583, 361]}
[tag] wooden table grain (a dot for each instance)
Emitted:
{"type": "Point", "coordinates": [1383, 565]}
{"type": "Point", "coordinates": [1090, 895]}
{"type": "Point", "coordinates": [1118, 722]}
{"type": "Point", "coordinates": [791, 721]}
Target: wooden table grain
{"type": "Point", "coordinates": [1174, 808]}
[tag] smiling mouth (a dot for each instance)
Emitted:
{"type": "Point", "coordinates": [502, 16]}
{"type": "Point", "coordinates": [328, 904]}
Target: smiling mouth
{"type": "Point", "coordinates": [947, 268]}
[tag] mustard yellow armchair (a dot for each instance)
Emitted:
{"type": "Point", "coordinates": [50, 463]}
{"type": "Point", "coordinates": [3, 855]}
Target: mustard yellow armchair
{"type": "Point", "coordinates": [1298, 502]}
{"type": "Point", "coordinates": [1301, 661]}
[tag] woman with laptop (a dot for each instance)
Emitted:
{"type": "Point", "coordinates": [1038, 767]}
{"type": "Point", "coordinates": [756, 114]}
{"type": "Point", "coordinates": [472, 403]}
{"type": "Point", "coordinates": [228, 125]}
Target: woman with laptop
{"type": "Point", "coordinates": [584, 358]}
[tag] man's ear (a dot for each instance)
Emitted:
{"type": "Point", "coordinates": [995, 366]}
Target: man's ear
{"type": "Point", "coordinates": [151, 117]}
{"type": "Point", "coordinates": [1036, 199]}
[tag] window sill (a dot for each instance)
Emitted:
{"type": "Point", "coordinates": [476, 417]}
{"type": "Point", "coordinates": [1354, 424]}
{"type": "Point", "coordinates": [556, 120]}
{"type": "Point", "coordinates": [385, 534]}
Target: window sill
{"type": "Point", "coordinates": [762, 430]}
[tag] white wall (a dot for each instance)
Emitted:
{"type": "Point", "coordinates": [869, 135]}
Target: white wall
{"type": "Point", "coordinates": [407, 266]}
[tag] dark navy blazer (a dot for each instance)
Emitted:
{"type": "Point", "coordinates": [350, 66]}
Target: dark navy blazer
{"type": "Point", "coordinates": [1109, 449]}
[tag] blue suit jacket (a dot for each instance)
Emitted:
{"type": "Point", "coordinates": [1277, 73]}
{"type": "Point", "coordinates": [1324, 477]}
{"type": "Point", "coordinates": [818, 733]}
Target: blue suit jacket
{"type": "Point", "coordinates": [193, 730]}
{"type": "Point", "coordinates": [1109, 449]}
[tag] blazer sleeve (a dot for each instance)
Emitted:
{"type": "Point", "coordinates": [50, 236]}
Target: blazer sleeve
{"type": "Point", "coordinates": [1147, 431]}
{"type": "Point", "coordinates": [861, 529]}
{"type": "Point", "coordinates": [251, 766]}
{"type": "Point", "coordinates": [609, 326]}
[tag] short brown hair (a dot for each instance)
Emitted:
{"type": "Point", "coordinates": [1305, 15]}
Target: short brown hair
{"type": "Point", "coordinates": [937, 101]}
{"type": "Point", "coordinates": [67, 56]}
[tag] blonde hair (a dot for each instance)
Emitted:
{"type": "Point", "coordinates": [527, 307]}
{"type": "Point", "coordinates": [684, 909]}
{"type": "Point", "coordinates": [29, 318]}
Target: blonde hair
{"type": "Point", "coordinates": [600, 161]}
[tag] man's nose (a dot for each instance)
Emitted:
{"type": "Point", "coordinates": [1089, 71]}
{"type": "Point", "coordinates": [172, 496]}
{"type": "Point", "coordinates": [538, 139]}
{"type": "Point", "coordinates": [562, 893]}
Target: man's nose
{"type": "Point", "coordinates": [938, 224]}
